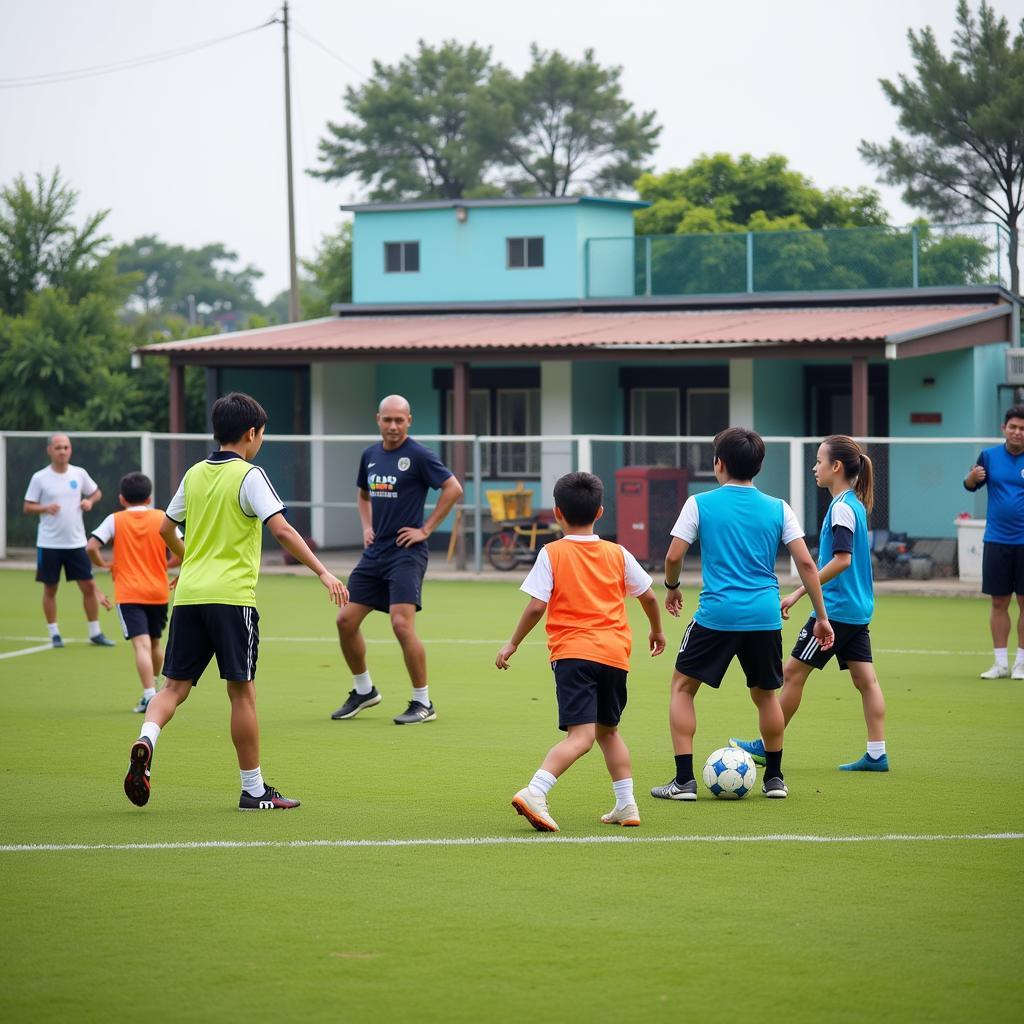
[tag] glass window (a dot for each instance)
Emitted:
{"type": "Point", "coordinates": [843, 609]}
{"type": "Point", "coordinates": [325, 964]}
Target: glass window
{"type": "Point", "coordinates": [401, 257]}
{"type": "Point", "coordinates": [525, 252]}
{"type": "Point", "coordinates": [654, 411]}
{"type": "Point", "coordinates": [479, 423]}
{"type": "Point", "coordinates": [518, 416]}
{"type": "Point", "coordinates": [707, 412]}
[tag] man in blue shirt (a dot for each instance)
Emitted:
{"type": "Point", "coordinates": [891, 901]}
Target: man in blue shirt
{"type": "Point", "coordinates": [394, 478]}
{"type": "Point", "coordinates": [1001, 470]}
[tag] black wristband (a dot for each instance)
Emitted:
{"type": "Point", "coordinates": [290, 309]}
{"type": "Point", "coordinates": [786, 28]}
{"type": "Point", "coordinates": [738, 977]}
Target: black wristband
{"type": "Point", "coordinates": [673, 586]}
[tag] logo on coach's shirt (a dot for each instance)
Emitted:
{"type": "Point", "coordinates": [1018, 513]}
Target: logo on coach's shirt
{"type": "Point", "coordinates": [381, 486]}
{"type": "Point", "coordinates": [74, 484]}
{"type": "Point", "coordinates": [403, 464]}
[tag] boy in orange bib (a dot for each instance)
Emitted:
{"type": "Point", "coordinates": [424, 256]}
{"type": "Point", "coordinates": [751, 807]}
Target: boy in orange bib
{"type": "Point", "coordinates": [581, 582]}
{"type": "Point", "coordinates": [139, 568]}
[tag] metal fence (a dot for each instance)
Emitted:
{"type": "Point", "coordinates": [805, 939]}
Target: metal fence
{"type": "Point", "coordinates": [918, 482]}
{"type": "Point", "coordinates": [829, 259]}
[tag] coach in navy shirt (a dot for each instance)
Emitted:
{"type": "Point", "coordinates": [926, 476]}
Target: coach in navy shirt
{"type": "Point", "coordinates": [395, 476]}
{"type": "Point", "coordinates": [1001, 470]}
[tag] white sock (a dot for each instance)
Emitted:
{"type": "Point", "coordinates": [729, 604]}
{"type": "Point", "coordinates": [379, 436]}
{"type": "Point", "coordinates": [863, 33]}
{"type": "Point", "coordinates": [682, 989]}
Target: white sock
{"type": "Point", "coordinates": [1020, 656]}
{"type": "Point", "coordinates": [623, 793]}
{"type": "Point", "coordinates": [876, 748]}
{"type": "Point", "coordinates": [52, 629]}
{"type": "Point", "coordinates": [1001, 657]}
{"type": "Point", "coordinates": [252, 781]}
{"type": "Point", "coordinates": [363, 683]}
{"type": "Point", "coordinates": [542, 781]}
{"type": "Point", "coordinates": [94, 629]}
{"type": "Point", "coordinates": [149, 693]}
{"type": "Point", "coordinates": [421, 694]}
{"type": "Point", "coordinates": [151, 731]}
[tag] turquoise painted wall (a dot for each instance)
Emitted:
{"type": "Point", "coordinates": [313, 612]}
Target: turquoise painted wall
{"type": "Point", "coordinates": [466, 262]}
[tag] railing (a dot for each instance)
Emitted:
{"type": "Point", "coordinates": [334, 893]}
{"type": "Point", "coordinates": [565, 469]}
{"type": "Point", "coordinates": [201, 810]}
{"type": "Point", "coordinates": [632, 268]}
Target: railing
{"type": "Point", "coordinates": [829, 259]}
{"type": "Point", "coordinates": [918, 481]}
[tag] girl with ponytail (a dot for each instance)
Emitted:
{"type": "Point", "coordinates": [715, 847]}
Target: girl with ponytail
{"type": "Point", "coordinates": [844, 569]}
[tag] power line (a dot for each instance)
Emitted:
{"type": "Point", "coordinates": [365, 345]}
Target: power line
{"type": "Point", "coordinates": [330, 53]}
{"type": "Point", "coordinates": [57, 77]}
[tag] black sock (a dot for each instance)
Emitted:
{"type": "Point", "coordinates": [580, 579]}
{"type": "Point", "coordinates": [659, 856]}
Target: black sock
{"type": "Point", "coordinates": [684, 769]}
{"type": "Point", "coordinates": [772, 764]}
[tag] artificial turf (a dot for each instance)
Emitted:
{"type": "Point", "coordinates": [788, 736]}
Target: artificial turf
{"type": "Point", "coordinates": [541, 928]}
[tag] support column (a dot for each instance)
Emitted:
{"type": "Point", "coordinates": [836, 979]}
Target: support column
{"type": "Point", "coordinates": [859, 396]}
{"type": "Point", "coordinates": [177, 423]}
{"type": "Point", "coordinates": [556, 457]}
{"type": "Point", "coordinates": [460, 418]}
{"type": "Point", "coordinates": [741, 393]}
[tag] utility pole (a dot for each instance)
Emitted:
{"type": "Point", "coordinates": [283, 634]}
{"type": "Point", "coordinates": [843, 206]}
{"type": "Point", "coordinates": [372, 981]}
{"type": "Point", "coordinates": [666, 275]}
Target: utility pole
{"type": "Point", "coordinates": [294, 312]}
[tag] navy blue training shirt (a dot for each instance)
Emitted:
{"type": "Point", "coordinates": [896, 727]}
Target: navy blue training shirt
{"type": "Point", "coordinates": [1004, 477]}
{"type": "Point", "coordinates": [398, 482]}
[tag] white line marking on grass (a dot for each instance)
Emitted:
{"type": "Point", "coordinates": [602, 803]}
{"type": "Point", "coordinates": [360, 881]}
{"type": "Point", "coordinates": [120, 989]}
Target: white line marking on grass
{"type": "Point", "coordinates": [26, 650]}
{"type": "Point", "coordinates": [259, 844]}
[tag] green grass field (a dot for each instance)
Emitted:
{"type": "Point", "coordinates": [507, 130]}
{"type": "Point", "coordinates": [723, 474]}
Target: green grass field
{"type": "Point", "coordinates": [696, 915]}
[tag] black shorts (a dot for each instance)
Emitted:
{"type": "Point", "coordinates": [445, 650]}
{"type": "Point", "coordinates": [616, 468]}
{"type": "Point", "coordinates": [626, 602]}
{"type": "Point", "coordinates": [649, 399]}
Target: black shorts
{"type": "Point", "coordinates": [142, 620]}
{"type": "Point", "coordinates": [398, 579]}
{"type": "Point", "coordinates": [852, 643]}
{"type": "Point", "coordinates": [200, 631]}
{"type": "Point", "coordinates": [706, 654]}
{"type": "Point", "coordinates": [1002, 569]}
{"type": "Point", "coordinates": [588, 693]}
{"type": "Point", "coordinates": [74, 561]}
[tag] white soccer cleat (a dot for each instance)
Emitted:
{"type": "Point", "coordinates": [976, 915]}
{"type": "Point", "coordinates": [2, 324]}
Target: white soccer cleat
{"type": "Point", "coordinates": [628, 817]}
{"type": "Point", "coordinates": [999, 672]}
{"type": "Point", "coordinates": [534, 809]}
{"type": "Point", "coordinates": [1018, 671]}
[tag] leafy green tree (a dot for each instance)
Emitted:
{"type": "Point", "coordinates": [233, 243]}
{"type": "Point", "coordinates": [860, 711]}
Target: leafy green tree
{"type": "Point", "coordinates": [41, 247]}
{"type": "Point", "coordinates": [565, 125]}
{"type": "Point", "coordinates": [199, 285]}
{"type": "Point", "coordinates": [326, 279]}
{"type": "Point", "coordinates": [417, 126]}
{"type": "Point", "coordinates": [963, 116]}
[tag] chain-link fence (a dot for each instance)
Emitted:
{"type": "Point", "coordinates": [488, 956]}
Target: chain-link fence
{"type": "Point", "coordinates": [506, 509]}
{"type": "Point", "coordinates": [830, 259]}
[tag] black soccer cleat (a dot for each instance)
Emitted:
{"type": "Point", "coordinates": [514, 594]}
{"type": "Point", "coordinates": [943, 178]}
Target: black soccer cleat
{"type": "Point", "coordinates": [416, 713]}
{"type": "Point", "coordinates": [136, 782]}
{"type": "Point", "coordinates": [99, 640]}
{"type": "Point", "coordinates": [56, 641]}
{"type": "Point", "coordinates": [775, 788]}
{"type": "Point", "coordinates": [356, 702]}
{"type": "Point", "coordinates": [270, 801]}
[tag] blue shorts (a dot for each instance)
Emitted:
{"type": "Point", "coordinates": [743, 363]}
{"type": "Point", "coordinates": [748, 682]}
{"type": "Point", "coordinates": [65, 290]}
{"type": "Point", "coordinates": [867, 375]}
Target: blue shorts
{"type": "Point", "coordinates": [74, 561]}
{"type": "Point", "coordinates": [397, 578]}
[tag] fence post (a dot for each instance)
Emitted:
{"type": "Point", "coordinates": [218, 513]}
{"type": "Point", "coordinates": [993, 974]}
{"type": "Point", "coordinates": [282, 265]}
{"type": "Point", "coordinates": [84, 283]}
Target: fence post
{"type": "Point", "coordinates": [584, 455]}
{"type": "Point", "coordinates": [647, 264]}
{"type": "Point", "coordinates": [915, 258]}
{"type": "Point", "coordinates": [796, 487]}
{"type": "Point", "coordinates": [750, 261]}
{"type": "Point", "coordinates": [3, 496]}
{"type": "Point", "coordinates": [147, 462]}
{"type": "Point", "coordinates": [478, 529]}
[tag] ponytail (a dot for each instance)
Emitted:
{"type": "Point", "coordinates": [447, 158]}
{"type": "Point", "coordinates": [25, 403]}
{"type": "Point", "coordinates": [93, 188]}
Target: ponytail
{"type": "Point", "coordinates": [857, 467]}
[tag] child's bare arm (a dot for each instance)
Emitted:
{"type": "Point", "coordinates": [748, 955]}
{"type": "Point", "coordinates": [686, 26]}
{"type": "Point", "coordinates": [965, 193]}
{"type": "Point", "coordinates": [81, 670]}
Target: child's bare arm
{"type": "Point", "coordinates": [808, 573]}
{"type": "Point", "coordinates": [673, 567]}
{"type": "Point", "coordinates": [169, 532]}
{"type": "Point", "coordinates": [94, 551]}
{"type": "Point", "coordinates": [656, 638]}
{"type": "Point", "coordinates": [840, 562]}
{"type": "Point", "coordinates": [288, 537]}
{"type": "Point", "coordinates": [532, 614]}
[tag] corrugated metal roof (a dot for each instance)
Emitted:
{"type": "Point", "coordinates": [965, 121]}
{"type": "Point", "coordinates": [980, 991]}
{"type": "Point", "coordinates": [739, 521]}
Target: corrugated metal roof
{"type": "Point", "coordinates": [483, 332]}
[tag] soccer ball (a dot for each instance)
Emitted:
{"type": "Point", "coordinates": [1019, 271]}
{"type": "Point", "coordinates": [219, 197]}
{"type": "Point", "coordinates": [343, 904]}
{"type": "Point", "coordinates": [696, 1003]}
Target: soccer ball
{"type": "Point", "coordinates": [730, 772]}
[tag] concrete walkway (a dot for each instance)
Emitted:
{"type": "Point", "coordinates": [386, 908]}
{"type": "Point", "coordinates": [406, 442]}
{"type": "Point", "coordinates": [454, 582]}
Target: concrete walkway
{"type": "Point", "coordinates": [341, 564]}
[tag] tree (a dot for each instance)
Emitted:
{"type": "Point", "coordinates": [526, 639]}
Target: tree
{"type": "Point", "coordinates": [417, 128]}
{"type": "Point", "coordinates": [40, 247]}
{"type": "Point", "coordinates": [565, 124]}
{"type": "Point", "coordinates": [964, 116]}
{"type": "Point", "coordinates": [327, 278]}
{"type": "Point", "coordinates": [719, 192]}
{"type": "Point", "coordinates": [196, 285]}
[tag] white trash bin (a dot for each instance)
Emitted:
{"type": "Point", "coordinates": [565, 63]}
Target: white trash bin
{"type": "Point", "coordinates": [969, 533]}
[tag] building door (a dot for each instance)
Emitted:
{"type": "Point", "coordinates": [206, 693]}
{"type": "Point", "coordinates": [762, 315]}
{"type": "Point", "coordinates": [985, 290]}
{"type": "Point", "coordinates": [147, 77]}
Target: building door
{"type": "Point", "coordinates": [830, 411]}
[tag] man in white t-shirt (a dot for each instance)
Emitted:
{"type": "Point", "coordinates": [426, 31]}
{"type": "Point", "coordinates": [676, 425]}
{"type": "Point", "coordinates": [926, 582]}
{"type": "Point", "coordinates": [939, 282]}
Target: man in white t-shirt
{"type": "Point", "coordinates": [59, 495]}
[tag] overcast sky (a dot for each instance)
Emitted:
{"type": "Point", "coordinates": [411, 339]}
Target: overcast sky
{"type": "Point", "coordinates": [192, 149]}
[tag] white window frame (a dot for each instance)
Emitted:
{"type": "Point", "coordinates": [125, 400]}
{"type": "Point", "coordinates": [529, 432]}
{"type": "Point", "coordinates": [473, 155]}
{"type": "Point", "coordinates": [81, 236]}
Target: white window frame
{"type": "Point", "coordinates": [641, 452]}
{"type": "Point", "coordinates": [401, 252]}
{"type": "Point", "coordinates": [449, 411]}
{"type": "Point", "coordinates": [531, 449]}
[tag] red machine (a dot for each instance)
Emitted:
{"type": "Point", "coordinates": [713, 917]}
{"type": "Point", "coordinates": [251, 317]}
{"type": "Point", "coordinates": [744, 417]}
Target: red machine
{"type": "Point", "coordinates": [648, 500]}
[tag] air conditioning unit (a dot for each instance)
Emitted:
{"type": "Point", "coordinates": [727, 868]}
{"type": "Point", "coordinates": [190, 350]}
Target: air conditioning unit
{"type": "Point", "coordinates": [1015, 366]}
